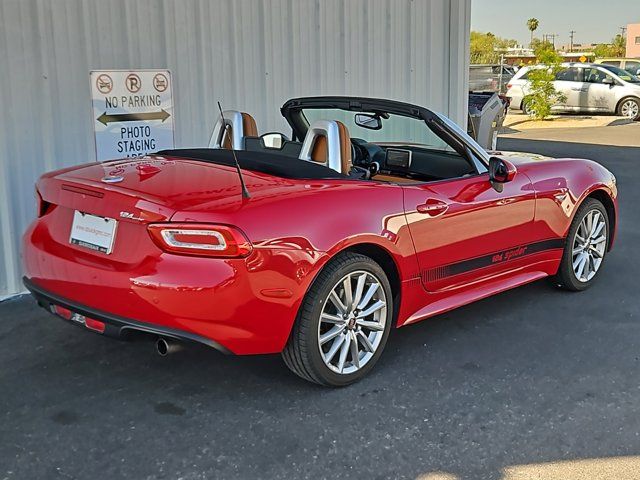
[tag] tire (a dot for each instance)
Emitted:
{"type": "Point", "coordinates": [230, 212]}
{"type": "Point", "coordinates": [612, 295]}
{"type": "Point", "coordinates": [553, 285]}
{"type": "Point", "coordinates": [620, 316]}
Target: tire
{"type": "Point", "coordinates": [574, 278]}
{"type": "Point", "coordinates": [629, 107]}
{"type": "Point", "coordinates": [526, 106]}
{"type": "Point", "coordinates": [306, 353]}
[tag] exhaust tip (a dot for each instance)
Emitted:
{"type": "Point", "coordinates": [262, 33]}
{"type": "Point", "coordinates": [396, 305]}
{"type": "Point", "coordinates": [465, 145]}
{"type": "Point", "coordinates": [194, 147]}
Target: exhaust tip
{"type": "Point", "coordinates": [164, 347]}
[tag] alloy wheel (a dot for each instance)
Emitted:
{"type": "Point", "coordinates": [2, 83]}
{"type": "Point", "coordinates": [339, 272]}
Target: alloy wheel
{"type": "Point", "coordinates": [630, 109]}
{"type": "Point", "coordinates": [527, 108]}
{"type": "Point", "coordinates": [589, 245]}
{"type": "Point", "coordinates": [352, 322]}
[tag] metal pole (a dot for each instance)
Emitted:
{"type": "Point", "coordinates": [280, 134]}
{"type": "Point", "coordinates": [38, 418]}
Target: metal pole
{"type": "Point", "coordinates": [501, 72]}
{"type": "Point", "coordinates": [571, 34]}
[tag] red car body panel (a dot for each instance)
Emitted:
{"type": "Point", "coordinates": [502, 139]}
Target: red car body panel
{"type": "Point", "coordinates": [485, 242]}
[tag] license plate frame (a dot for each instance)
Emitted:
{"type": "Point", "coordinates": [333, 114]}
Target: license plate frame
{"type": "Point", "coordinates": [93, 232]}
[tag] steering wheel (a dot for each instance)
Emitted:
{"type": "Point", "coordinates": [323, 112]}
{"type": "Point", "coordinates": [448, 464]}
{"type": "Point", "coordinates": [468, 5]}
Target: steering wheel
{"type": "Point", "coordinates": [362, 153]}
{"type": "Point", "coordinates": [359, 152]}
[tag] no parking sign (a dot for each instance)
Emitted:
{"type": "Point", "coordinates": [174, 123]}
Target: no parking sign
{"type": "Point", "coordinates": [132, 112]}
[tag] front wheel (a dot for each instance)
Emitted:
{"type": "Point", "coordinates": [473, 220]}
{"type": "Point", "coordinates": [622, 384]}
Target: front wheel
{"type": "Point", "coordinates": [630, 108]}
{"type": "Point", "coordinates": [343, 323]}
{"type": "Point", "coordinates": [585, 248]}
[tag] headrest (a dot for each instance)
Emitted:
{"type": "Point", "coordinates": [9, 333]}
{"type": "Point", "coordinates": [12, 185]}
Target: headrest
{"type": "Point", "coordinates": [328, 142]}
{"type": "Point", "coordinates": [240, 124]}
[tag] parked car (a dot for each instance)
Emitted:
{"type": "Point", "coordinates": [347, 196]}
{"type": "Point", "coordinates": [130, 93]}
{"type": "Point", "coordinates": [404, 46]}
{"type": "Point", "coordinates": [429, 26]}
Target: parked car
{"type": "Point", "coordinates": [631, 65]}
{"type": "Point", "coordinates": [378, 214]}
{"type": "Point", "coordinates": [587, 87]}
{"type": "Point", "coordinates": [490, 78]}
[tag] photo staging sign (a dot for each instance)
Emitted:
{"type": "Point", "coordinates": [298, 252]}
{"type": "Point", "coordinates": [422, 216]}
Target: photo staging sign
{"type": "Point", "coordinates": [132, 112]}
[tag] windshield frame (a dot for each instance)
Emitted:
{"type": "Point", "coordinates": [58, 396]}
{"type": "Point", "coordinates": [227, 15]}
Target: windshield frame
{"type": "Point", "coordinates": [439, 124]}
{"type": "Point", "coordinates": [393, 129]}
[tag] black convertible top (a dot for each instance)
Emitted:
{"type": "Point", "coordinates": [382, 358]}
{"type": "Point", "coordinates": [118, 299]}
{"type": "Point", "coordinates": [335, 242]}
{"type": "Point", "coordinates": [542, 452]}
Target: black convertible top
{"type": "Point", "coordinates": [269, 163]}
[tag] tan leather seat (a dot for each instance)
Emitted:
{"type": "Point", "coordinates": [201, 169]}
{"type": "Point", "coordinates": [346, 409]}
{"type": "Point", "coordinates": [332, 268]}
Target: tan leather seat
{"type": "Point", "coordinates": [249, 129]}
{"type": "Point", "coordinates": [320, 151]}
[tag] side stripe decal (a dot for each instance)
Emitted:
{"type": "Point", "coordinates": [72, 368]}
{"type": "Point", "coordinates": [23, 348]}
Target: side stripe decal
{"type": "Point", "coordinates": [438, 273]}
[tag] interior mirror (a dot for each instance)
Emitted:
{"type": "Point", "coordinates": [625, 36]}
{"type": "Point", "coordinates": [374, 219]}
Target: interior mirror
{"type": "Point", "coordinates": [501, 170]}
{"type": "Point", "coordinates": [608, 81]}
{"type": "Point", "coordinates": [638, 72]}
{"type": "Point", "coordinates": [365, 120]}
{"type": "Point", "coordinates": [273, 140]}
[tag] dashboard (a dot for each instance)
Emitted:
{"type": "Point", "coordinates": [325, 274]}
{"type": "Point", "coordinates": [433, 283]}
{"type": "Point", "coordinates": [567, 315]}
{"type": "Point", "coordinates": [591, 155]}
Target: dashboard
{"type": "Point", "coordinates": [409, 161]}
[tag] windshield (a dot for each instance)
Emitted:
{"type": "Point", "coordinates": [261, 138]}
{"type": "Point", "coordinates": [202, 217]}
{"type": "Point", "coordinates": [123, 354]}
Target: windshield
{"type": "Point", "coordinates": [395, 129]}
{"type": "Point", "coordinates": [623, 74]}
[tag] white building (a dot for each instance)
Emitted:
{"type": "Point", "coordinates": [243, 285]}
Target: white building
{"type": "Point", "coordinates": [252, 55]}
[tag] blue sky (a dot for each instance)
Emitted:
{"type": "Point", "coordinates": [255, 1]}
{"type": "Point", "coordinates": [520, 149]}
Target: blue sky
{"type": "Point", "coordinates": [593, 20]}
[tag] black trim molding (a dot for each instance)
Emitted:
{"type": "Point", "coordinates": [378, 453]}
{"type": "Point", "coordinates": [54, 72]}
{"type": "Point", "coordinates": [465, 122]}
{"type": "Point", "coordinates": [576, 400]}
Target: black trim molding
{"type": "Point", "coordinates": [116, 325]}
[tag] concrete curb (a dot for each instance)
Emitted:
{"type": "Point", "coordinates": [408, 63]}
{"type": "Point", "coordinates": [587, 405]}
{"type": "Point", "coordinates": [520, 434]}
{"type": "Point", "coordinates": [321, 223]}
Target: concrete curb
{"type": "Point", "coordinates": [522, 122]}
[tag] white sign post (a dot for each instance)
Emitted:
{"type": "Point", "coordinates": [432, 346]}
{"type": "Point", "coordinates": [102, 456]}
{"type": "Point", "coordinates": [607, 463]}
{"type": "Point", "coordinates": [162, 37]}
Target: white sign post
{"type": "Point", "coordinates": [132, 112]}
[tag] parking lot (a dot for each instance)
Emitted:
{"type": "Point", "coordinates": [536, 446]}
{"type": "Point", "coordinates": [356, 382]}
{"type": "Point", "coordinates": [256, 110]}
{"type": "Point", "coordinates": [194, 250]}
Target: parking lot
{"type": "Point", "coordinates": [529, 376]}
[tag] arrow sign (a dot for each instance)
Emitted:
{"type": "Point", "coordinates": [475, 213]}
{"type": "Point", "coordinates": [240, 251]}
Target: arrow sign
{"type": "Point", "coordinates": [133, 117]}
{"type": "Point", "coordinates": [131, 112]}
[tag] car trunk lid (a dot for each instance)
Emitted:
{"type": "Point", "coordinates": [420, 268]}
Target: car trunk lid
{"type": "Point", "coordinates": [135, 193]}
{"type": "Point", "coordinates": [156, 185]}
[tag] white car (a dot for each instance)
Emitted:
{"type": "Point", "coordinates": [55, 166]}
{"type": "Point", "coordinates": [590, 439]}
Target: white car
{"type": "Point", "coordinates": [587, 87]}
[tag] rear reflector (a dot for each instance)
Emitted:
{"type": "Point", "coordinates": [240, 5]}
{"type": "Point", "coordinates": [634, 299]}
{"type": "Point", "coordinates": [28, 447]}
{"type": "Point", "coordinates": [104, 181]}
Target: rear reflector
{"type": "Point", "coordinates": [93, 324]}
{"type": "Point", "coordinates": [62, 312]}
{"type": "Point", "coordinates": [90, 323]}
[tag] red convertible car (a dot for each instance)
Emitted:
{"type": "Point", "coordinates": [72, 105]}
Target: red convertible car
{"type": "Point", "coordinates": [375, 214]}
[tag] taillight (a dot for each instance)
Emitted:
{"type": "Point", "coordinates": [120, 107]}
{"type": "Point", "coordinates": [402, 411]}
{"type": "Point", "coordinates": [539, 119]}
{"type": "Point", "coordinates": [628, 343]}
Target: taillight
{"type": "Point", "coordinates": [509, 85]}
{"type": "Point", "coordinates": [38, 202]}
{"type": "Point", "coordinates": [42, 207]}
{"type": "Point", "coordinates": [201, 239]}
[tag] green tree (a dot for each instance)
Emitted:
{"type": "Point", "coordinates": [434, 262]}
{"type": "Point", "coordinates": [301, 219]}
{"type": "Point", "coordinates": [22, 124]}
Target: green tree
{"type": "Point", "coordinates": [545, 53]}
{"type": "Point", "coordinates": [542, 93]}
{"type": "Point", "coordinates": [532, 25]}
{"type": "Point", "coordinates": [486, 47]}
{"type": "Point", "coordinates": [617, 48]}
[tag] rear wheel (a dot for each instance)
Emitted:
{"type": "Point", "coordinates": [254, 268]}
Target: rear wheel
{"type": "Point", "coordinates": [630, 108]}
{"type": "Point", "coordinates": [343, 324]}
{"type": "Point", "coordinates": [527, 106]}
{"type": "Point", "coordinates": [585, 248]}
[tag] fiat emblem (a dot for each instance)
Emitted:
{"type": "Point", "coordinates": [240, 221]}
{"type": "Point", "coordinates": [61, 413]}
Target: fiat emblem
{"type": "Point", "coordinates": [112, 179]}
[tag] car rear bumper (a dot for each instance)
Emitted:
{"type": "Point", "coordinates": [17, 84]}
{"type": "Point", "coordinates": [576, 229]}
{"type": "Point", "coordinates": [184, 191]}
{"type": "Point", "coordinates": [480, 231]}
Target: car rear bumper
{"type": "Point", "coordinates": [515, 101]}
{"type": "Point", "coordinates": [115, 326]}
{"type": "Point", "coordinates": [245, 305]}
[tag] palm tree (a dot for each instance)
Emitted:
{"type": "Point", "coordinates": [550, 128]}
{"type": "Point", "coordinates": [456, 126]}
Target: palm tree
{"type": "Point", "coordinates": [532, 25]}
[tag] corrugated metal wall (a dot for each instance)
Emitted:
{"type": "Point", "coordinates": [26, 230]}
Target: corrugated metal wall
{"type": "Point", "coordinates": [250, 54]}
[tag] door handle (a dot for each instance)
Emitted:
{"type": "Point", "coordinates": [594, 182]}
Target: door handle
{"type": "Point", "coordinates": [505, 201]}
{"type": "Point", "coordinates": [432, 207]}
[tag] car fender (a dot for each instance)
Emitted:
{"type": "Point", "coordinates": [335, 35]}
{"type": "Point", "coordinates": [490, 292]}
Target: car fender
{"type": "Point", "coordinates": [561, 186]}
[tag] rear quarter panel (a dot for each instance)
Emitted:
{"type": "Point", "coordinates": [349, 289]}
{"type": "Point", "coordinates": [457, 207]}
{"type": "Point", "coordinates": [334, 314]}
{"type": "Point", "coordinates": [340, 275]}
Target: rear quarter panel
{"type": "Point", "coordinates": [324, 218]}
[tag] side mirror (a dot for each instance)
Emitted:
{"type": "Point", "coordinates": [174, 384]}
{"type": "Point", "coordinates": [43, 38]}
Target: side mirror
{"type": "Point", "coordinates": [501, 170]}
{"type": "Point", "coordinates": [273, 140]}
{"type": "Point", "coordinates": [372, 122]}
{"type": "Point", "coordinates": [609, 81]}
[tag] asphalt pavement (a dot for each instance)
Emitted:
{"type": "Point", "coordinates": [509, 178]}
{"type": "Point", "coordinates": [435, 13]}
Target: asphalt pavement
{"type": "Point", "coordinates": [530, 376]}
